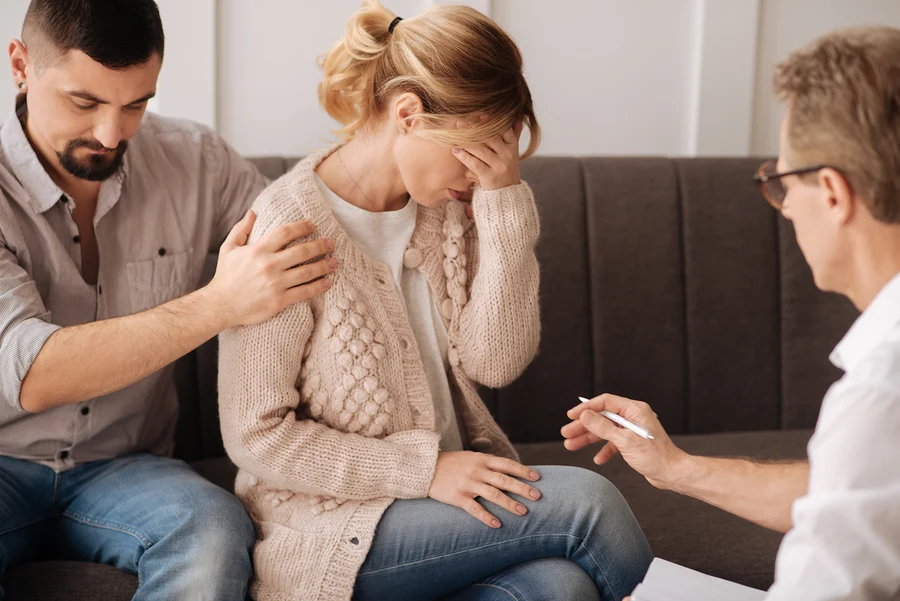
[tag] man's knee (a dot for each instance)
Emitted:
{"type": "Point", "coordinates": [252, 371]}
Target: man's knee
{"type": "Point", "coordinates": [218, 519]}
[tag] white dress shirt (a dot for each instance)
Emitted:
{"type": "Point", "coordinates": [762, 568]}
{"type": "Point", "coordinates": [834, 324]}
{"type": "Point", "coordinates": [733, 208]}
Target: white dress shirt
{"type": "Point", "coordinates": [845, 543]}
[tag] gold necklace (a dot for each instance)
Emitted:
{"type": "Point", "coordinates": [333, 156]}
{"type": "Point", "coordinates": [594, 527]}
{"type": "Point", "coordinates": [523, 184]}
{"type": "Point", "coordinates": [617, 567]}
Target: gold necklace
{"type": "Point", "coordinates": [358, 187]}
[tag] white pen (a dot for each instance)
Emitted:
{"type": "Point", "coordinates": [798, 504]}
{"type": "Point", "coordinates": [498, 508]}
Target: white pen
{"type": "Point", "coordinates": [628, 425]}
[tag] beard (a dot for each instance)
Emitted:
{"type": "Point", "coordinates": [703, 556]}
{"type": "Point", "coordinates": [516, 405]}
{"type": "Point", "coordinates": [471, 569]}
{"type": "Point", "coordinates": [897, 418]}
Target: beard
{"type": "Point", "coordinates": [92, 167]}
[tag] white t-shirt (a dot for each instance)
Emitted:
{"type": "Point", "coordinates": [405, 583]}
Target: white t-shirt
{"type": "Point", "coordinates": [384, 237]}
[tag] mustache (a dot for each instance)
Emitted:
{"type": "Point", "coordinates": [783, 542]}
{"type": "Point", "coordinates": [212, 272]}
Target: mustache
{"type": "Point", "coordinates": [95, 146]}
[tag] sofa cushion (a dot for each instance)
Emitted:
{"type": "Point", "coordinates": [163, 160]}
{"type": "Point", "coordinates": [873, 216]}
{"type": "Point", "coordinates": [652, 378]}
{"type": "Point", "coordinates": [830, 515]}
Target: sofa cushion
{"type": "Point", "coordinates": [68, 581]}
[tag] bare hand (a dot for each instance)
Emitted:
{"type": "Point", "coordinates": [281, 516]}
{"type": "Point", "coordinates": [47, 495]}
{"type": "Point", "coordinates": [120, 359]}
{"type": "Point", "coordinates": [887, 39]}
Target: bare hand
{"type": "Point", "coordinates": [655, 459]}
{"type": "Point", "coordinates": [460, 477]}
{"type": "Point", "coordinates": [494, 163]}
{"type": "Point", "coordinates": [254, 283]}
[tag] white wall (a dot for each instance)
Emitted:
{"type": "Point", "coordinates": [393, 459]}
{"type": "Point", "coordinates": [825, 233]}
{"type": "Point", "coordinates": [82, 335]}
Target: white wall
{"type": "Point", "coordinates": [606, 76]}
{"type": "Point", "coordinates": [670, 77]}
{"type": "Point", "coordinates": [788, 24]}
{"type": "Point", "coordinates": [268, 73]}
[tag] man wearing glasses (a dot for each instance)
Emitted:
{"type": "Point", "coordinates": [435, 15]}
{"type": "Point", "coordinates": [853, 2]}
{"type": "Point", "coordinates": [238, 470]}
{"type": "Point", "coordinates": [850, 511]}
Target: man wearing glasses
{"type": "Point", "coordinates": [838, 181]}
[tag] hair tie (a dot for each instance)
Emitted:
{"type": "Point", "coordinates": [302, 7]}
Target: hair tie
{"type": "Point", "coordinates": [394, 24]}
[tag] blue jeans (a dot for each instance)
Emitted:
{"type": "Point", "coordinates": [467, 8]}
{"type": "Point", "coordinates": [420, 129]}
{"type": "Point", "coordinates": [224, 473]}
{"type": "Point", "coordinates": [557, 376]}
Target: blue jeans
{"type": "Point", "coordinates": [580, 541]}
{"type": "Point", "coordinates": [184, 537]}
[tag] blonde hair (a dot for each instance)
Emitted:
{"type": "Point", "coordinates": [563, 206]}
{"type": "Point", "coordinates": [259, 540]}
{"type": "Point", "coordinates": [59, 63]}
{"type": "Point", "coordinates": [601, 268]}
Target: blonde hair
{"type": "Point", "coordinates": [843, 93]}
{"type": "Point", "coordinates": [458, 62]}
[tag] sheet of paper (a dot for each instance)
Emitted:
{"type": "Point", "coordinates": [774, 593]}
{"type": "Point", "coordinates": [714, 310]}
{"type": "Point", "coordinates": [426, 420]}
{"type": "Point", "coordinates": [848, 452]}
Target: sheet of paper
{"type": "Point", "coordinates": [666, 581]}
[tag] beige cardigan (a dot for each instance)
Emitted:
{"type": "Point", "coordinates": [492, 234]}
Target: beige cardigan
{"type": "Point", "coordinates": [325, 408]}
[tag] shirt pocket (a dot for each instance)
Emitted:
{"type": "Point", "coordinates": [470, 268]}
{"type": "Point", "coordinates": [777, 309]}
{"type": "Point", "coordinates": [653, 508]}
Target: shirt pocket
{"type": "Point", "coordinates": [153, 282]}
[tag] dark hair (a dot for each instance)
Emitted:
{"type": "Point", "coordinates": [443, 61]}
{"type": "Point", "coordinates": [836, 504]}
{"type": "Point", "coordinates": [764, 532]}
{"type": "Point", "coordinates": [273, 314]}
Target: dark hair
{"type": "Point", "coordinates": [115, 33]}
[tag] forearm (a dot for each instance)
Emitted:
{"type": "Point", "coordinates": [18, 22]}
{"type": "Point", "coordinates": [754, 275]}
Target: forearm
{"type": "Point", "coordinates": [307, 457]}
{"type": "Point", "coordinates": [79, 363]}
{"type": "Point", "coordinates": [762, 493]}
{"type": "Point", "coordinates": [500, 325]}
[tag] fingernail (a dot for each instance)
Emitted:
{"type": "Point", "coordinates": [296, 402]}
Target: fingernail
{"type": "Point", "coordinates": [327, 283]}
{"type": "Point", "coordinates": [535, 476]}
{"type": "Point", "coordinates": [456, 151]}
{"type": "Point", "coordinates": [521, 509]}
{"type": "Point", "coordinates": [332, 263]}
{"type": "Point", "coordinates": [330, 245]}
{"type": "Point", "coordinates": [535, 494]}
{"type": "Point", "coordinates": [495, 523]}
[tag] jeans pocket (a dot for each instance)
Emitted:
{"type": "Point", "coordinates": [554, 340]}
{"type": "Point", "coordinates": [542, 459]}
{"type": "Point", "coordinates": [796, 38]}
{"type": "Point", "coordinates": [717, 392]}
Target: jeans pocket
{"type": "Point", "coordinates": [156, 281]}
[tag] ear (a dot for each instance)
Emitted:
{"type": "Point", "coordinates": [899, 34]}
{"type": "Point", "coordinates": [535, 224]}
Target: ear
{"type": "Point", "coordinates": [842, 202]}
{"type": "Point", "coordinates": [19, 61]}
{"type": "Point", "coordinates": [406, 107]}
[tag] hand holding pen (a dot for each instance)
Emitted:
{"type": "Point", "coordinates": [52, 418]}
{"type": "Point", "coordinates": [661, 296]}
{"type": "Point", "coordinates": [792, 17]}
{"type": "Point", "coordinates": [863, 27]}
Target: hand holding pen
{"type": "Point", "coordinates": [631, 429]}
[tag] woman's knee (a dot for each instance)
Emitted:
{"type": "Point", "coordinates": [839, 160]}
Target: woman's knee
{"type": "Point", "coordinates": [592, 509]}
{"type": "Point", "coordinates": [574, 489]}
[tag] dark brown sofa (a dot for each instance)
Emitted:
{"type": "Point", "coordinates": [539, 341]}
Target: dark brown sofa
{"type": "Point", "coordinates": [666, 280]}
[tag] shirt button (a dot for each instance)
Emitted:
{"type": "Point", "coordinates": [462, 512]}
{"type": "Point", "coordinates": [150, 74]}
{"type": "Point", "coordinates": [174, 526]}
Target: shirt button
{"type": "Point", "coordinates": [85, 411]}
{"type": "Point", "coordinates": [76, 239]}
{"type": "Point", "coordinates": [162, 252]}
{"type": "Point", "coordinates": [64, 455]}
{"type": "Point", "coordinates": [99, 289]}
{"type": "Point", "coordinates": [404, 344]}
{"type": "Point", "coordinates": [64, 199]}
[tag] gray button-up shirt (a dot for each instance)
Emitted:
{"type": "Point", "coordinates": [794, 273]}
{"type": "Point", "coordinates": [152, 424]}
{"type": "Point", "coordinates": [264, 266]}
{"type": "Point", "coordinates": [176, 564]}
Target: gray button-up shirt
{"type": "Point", "coordinates": [179, 192]}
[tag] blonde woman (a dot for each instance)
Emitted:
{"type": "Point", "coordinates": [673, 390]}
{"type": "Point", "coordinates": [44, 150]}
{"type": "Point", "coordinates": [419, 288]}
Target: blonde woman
{"type": "Point", "coordinates": [370, 466]}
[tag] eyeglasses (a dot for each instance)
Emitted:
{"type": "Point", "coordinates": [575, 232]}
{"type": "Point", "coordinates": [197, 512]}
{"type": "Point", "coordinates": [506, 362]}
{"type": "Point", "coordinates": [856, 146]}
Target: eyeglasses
{"type": "Point", "coordinates": [769, 180]}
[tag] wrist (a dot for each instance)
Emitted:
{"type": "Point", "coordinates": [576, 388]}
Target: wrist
{"type": "Point", "coordinates": [683, 469]}
{"type": "Point", "coordinates": [217, 311]}
{"type": "Point", "coordinates": [494, 186]}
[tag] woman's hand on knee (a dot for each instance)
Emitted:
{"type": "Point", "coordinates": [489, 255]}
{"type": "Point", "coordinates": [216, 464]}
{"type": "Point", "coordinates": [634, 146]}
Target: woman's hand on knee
{"type": "Point", "coordinates": [461, 477]}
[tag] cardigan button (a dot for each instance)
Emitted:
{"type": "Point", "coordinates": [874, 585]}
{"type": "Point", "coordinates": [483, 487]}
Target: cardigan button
{"type": "Point", "coordinates": [453, 357]}
{"type": "Point", "coordinates": [412, 258]}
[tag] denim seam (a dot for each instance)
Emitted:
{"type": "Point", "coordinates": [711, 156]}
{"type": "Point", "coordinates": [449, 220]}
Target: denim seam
{"type": "Point", "coordinates": [494, 586]}
{"type": "Point", "coordinates": [600, 569]}
{"type": "Point", "coordinates": [497, 544]}
{"type": "Point", "coordinates": [22, 526]}
{"type": "Point", "coordinates": [89, 521]}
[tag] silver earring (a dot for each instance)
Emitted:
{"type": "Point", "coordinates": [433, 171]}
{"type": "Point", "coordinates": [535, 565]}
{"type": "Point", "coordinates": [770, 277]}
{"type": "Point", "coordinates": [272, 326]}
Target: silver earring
{"type": "Point", "coordinates": [21, 85]}
{"type": "Point", "coordinates": [403, 130]}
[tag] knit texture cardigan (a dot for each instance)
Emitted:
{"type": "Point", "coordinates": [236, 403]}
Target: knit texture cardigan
{"type": "Point", "coordinates": [325, 408]}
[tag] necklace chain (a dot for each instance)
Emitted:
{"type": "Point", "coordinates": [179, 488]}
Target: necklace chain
{"type": "Point", "coordinates": [358, 187]}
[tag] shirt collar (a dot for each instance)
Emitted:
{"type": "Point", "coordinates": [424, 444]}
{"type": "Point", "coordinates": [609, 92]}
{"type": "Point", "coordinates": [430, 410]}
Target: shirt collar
{"type": "Point", "coordinates": [870, 328]}
{"type": "Point", "coordinates": [42, 190]}
{"type": "Point", "coordinates": [23, 160]}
